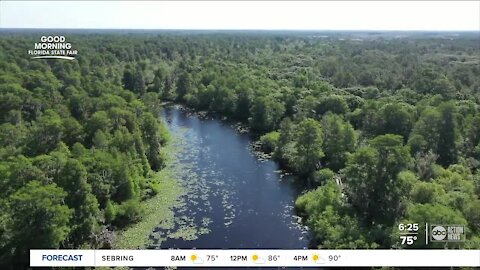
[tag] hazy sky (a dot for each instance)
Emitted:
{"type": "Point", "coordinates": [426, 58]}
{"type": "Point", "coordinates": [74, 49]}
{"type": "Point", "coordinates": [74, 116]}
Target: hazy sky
{"type": "Point", "coordinates": [321, 15]}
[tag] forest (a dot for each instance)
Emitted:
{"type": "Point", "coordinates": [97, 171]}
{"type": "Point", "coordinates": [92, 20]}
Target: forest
{"type": "Point", "coordinates": [380, 128]}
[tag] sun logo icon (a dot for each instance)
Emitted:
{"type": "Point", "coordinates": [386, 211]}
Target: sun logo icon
{"type": "Point", "coordinates": [257, 259]}
{"type": "Point", "coordinates": [317, 259]}
{"type": "Point", "coordinates": [195, 259]}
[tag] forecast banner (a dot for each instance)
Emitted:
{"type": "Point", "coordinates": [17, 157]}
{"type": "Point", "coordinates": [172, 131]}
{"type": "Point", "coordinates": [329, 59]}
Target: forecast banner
{"type": "Point", "coordinates": [254, 258]}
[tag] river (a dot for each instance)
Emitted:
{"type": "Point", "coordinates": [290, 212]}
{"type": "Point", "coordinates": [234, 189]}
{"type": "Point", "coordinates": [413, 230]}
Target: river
{"type": "Point", "coordinates": [232, 199]}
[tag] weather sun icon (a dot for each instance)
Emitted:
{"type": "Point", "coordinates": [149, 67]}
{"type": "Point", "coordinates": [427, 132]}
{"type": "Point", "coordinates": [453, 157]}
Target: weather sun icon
{"type": "Point", "coordinates": [258, 260]}
{"type": "Point", "coordinates": [317, 259]}
{"type": "Point", "coordinates": [195, 259]}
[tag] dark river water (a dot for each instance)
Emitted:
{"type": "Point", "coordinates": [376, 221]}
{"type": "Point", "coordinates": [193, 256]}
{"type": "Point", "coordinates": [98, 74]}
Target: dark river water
{"type": "Point", "coordinates": [232, 199]}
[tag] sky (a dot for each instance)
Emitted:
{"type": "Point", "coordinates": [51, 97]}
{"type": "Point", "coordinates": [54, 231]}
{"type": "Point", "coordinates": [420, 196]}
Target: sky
{"type": "Point", "coordinates": [287, 15]}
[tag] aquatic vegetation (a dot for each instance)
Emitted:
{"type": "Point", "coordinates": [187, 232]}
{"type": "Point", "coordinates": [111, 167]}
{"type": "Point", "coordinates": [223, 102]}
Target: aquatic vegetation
{"type": "Point", "coordinates": [209, 199]}
{"type": "Point", "coordinates": [158, 210]}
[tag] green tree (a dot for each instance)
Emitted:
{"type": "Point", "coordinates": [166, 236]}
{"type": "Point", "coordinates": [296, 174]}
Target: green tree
{"type": "Point", "coordinates": [134, 80]}
{"type": "Point", "coordinates": [424, 192]}
{"type": "Point", "coordinates": [472, 136]}
{"type": "Point", "coordinates": [110, 212]}
{"type": "Point", "coordinates": [425, 135]}
{"type": "Point", "coordinates": [128, 212]}
{"type": "Point", "coordinates": [73, 131]}
{"type": "Point", "coordinates": [269, 141]}
{"type": "Point", "coordinates": [322, 176]}
{"type": "Point", "coordinates": [308, 146]}
{"type": "Point", "coordinates": [223, 101]}
{"type": "Point", "coordinates": [339, 140]}
{"type": "Point", "coordinates": [328, 216]}
{"type": "Point", "coordinates": [373, 182]}
{"type": "Point", "coordinates": [98, 121]}
{"type": "Point", "coordinates": [431, 81]}
{"type": "Point", "coordinates": [73, 179]}
{"type": "Point", "coordinates": [266, 114]}
{"type": "Point", "coordinates": [244, 101]}
{"type": "Point", "coordinates": [306, 107]}
{"type": "Point", "coordinates": [332, 103]}
{"type": "Point", "coordinates": [437, 130]}
{"type": "Point", "coordinates": [39, 219]}
{"type": "Point", "coordinates": [160, 77]}
{"type": "Point", "coordinates": [184, 85]}
{"type": "Point", "coordinates": [139, 83]}
{"type": "Point", "coordinates": [47, 132]}
{"type": "Point", "coordinates": [153, 139]}
{"type": "Point", "coordinates": [397, 119]}
{"type": "Point", "coordinates": [100, 140]}
{"type": "Point", "coordinates": [425, 165]}
{"type": "Point", "coordinates": [447, 149]}
{"type": "Point", "coordinates": [128, 79]}
{"type": "Point", "coordinates": [285, 150]}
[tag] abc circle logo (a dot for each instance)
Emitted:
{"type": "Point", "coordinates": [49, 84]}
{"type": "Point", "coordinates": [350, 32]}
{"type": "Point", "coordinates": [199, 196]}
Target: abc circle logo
{"type": "Point", "coordinates": [439, 233]}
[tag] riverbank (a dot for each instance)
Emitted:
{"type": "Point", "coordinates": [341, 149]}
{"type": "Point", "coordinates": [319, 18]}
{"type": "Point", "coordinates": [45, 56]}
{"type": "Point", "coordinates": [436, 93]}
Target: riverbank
{"type": "Point", "coordinates": [158, 210]}
{"type": "Point", "coordinates": [255, 145]}
{"type": "Point", "coordinates": [240, 127]}
{"type": "Point", "coordinates": [220, 206]}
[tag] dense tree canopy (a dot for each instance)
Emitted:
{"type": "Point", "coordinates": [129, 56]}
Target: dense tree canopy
{"type": "Point", "coordinates": [79, 150]}
{"type": "Point", "coordinates": [384, 128]}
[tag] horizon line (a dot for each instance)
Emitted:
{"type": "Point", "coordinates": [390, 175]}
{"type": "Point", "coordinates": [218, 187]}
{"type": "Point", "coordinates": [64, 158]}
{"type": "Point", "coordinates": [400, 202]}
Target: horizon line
{"type": "Point", "coordinates": [245, 29]}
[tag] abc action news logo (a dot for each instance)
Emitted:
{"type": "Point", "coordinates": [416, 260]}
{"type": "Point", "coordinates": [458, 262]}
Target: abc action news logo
{"type": "Point", "coordinates": [53, 47]}
{"type": "Point", "coordinates": [447, 233]}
